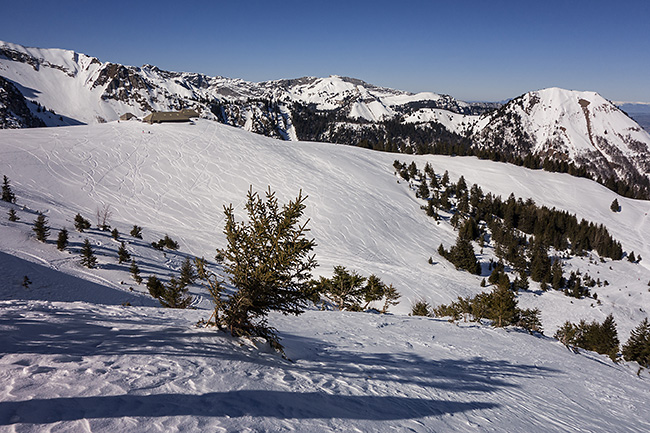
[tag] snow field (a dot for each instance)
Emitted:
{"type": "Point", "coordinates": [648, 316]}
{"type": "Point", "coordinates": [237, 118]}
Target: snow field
{"type": "Point", "coordinates": [75, 359]}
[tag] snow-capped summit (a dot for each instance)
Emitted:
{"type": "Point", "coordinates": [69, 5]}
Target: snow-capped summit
{"type": "Point", "coordinates": [573, 126]}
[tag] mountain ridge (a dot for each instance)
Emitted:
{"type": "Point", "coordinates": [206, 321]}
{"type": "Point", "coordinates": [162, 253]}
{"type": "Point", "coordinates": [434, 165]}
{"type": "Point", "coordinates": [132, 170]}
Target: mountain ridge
{"type": "Point", "coordinates": [83, 89]}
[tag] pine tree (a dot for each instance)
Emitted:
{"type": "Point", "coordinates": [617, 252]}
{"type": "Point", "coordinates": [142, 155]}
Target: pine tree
{"type": "Point", "coordinates": [463, 257]}
{"type": "Point", "coordinates": [557, 279]}
{"type": "Point", "coordinates": [445, 179]}
{"type": "Point", "coordinates": [88, 258]}
{"type": "Point", "coordinates": [136, 232]}
{"type": "Point", "coordinates": [41, 228]}
{"type": "Point", "coordinates": [269, 263]}
{"type": "Point", "coordinates": [423, 191]}
{"type": "Point", "coordinates": [80, 223]}
{"type": "Point", "coordinates": [373, 291]}
{"type": "Point", "coordinates": [187, 273]}
{"type": "Point", "coordinates": [605, 339]}
{"type": "Point", "coordinates": [62, 240]}
{"type": "Point", "coordinates": [175, 295]}
{"type": "Point", "coordinates": [637, 347]}
{"type": "Point", "coordinates": [13, 217]}
{"type": "Point", "coordinates": [391, 297]}
{"type": "Point", "coordinates": [344, 289]}
{"type": "Point", "coordinates": [155, 286]}
{"type": "Point", "coordinates": [135, 272]}
{"type": "Point", "coordinates": [421, 308]}
{"type": "Point", "coordinates": [122, 254]}
{"type": "Point", "coordinates": [7, 193]}
{"type": "Point", "coordinates": [540, 265]}
{"type": "Point", "coordinates": [503, 306]}
{"type": "Point", "coordinates": [115, 234]}
{"type": "Point", "coordinates": [529, 319]}
{"type": "Point", "coordinates": [615, 207]}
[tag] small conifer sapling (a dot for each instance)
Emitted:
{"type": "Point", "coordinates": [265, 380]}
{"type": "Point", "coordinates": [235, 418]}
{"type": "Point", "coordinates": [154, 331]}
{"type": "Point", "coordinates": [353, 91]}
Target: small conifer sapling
{"type": "Point", "coordinates": [80, 223]}
{"type": "Point", "coordinates": [13, 217]}
{"type": "Point", "coordinates": [62, 240]}
{"type": "Point", "coordinates": [122, 254]}
{"type": "Point", "coordinates": [7, 193]}
{"type": "Point", "coordinates": [136, 232]}
{"type": "Point", "coordinates": [135, 272]}
{"type": "Point", "coordinates": [88, 258]}
{"type": "Point", "coordinates": [41, 228]}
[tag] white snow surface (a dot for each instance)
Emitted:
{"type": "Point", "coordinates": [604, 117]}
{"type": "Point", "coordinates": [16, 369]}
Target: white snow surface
{"type": "Point", "coordinates": [578, 122]}
{"type": "Point", "coordinates": [74, 359]}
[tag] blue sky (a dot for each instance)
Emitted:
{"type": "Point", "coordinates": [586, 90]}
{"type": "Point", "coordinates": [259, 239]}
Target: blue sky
{"type": "Point", "coordinates": [472, 50]}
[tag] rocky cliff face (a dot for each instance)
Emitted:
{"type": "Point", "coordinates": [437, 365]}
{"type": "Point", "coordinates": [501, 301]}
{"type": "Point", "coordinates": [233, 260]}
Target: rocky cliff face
{"type": "Point", "coordinates": [14, 110]}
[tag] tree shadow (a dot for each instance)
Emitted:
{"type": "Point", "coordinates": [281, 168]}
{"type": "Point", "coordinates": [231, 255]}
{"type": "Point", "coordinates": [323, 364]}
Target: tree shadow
{"type": "Point", "coordinates": [90, 333]}
{"type": "Point", "coordinates": [53, 285]}
{"type": "Point", "coordinates": [234, 404]}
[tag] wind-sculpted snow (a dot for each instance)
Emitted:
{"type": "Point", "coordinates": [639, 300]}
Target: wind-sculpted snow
{"type": "Point", "coordinates": [77, 366]}
{"type": "Point", "coordinates": [73, 358]}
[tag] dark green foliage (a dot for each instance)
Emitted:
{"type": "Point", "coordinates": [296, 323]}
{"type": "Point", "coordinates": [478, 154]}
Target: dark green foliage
{"type": "Point", "coordinates": [421, 308]}
{"type": "Point", "coordinates": [80, 223]}
{"type": "Point", "coordinates": [374, 290]}
{"type": "Point", "coordinates": [26, 282]}
{"type": "Point", "coordinates": [529, 319]}
{"type": "Point", "coordinates": [557, 278]}
{"type": "Point", "coordinates": [637, 347]}
{"type": "Point", "coordinates": [155, 286]}
{"type": "Point", "coordinates": [499, 306]}
{"type": "Point", "coordinates": [174, 295]}
{"type": "Point", "coordinates": [445, 179]}
{"type": "Point", "coordinates": [13, 217]}
{"type": "Point", "coordinates": [423, 191]}
{"type": "Point", "coordinates": [135, 272]}
{"type": "Point", "coordinates": [88, 258]}
{"type": "Point", "coordinates": [615, 207]}
{"type": "Point", "coordinates": [598, 337]}
{"type": "Point", "coordinates": [469, 230]}
{"type": "Point", "coordinates": [520, 283]}
{"type": "Point", "coordinates": [503, 306]}
{"type": "Point", "coordinates": [391, 298]}
{"type": "Point", "coordinates": [187, 274]}
{"type": "Point", "coordinates": [412, 170]}
{"type": "Point", "coordinates": [344, 289]}
{"type": "Point", "coordinates": [41, 228]}
{"type": "Point", "coordinates": [122, 254]}
{"type": "Point", "coordinates": [62, 240]}
{"type": "Point", "coordinates": [575, 288]}
{"type": "Point", "coordinates": [115, 234]}
{"type": "Point", "coordinates": [165, 242]}
{"type": "Point", "coordinates": [136, 232]}
{"type": "Point", "coordinates": [462, 256]}
{"type": "Point", "coordinates": [269, 263]}
{"type": "Point", "coordinates": [631, 258]}
{"type": "Point", "coordinates": [7, 193]}
{"type": "Point", "coordinates": [540, 264]}
{"type": "Point", "coordinates": [347, 291]}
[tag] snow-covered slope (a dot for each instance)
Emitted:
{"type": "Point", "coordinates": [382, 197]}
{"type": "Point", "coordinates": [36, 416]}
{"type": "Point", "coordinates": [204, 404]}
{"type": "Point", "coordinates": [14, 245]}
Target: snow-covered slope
{"type": "Point", "coordinates": [66, 88]}
{"type": "Point", "coordinates": [85, 367]}
{"type": "Point", "coordinates": [579, 127]}
{"type": "Point", "coordinates": [176, 178]}
{"type": "Point", "coordinates": [69, 363]}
